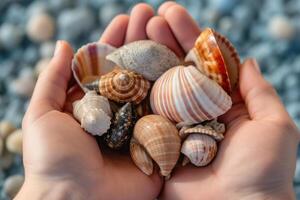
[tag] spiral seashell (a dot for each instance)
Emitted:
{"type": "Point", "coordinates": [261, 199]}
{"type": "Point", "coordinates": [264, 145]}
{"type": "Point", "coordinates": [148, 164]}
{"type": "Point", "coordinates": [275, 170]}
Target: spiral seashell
{"type": "Point", "coordinates": [199, 149]}
{"type": "Point", "coordinates": [145, 57]}
{"type": "Point", "coordinates": [93, 112]}
{"type": "Point", "coordinates": [89, 63]}
{"type": "Point", "coordinates": [217, 58]}
{"type": "Point", "coordinates": [123, 86]}
{"type": "Point", "coordinates": [160, 140]}
{"type": "Point", "coordinates": [183, 94]}
{"type": "Point", "coordinates": [122, 127]}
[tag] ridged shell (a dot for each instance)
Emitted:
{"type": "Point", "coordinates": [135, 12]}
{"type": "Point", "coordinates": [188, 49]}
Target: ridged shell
{"type": "Point", "coordinates": [93, 113]}
{"type": "Point", "coordinates": [146, 57]}
{"type": "Point", "coordinates": [124, 86]}
{"type": "Point", "coordinates": [200, 149]}
{"type": "Point", "coordinates": [216, 57]}
{"type": "Point", "coordinates": [159, 137]}
{"type": "Point", "coordinates": [89, 63]}
{"type": "Point", "coordinates": [201, 129]}
{"type": "Point", "coordinates": [183, 94]}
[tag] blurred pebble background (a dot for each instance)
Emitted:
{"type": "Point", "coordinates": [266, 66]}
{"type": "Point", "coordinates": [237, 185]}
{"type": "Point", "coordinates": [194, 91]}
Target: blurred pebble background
{"type": "Point", "coordinates": [266, 30]}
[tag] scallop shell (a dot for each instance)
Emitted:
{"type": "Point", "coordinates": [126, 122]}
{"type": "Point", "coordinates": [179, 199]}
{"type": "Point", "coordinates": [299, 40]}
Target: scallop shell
{"type": "Point", "coordinates": [89, 63]}
{"type": "Point", "coordinates": [183, 94]}
{"type": "Point", "coordinates": [122, 127]}
{"type": "Point", "coordinates": [160, 139]}
{"type": "Point", "coordinates": [93, 112]}
{"type": "Point", "coordinates": [124, 86]}
{"type": "Point", "coordinates": [145, 57]}
{"type": "Point", "coordinates": [200, 149]}
{"type": "Point", "coordinates": [217, 58]}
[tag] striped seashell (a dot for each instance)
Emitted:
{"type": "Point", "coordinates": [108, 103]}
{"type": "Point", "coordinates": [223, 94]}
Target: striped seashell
{"type": "Point", "coordinates": [160, 139]}
{"type": "Point", "coordinates": [202, 129]}
{"type": "Point", "coordinates": [217, 58]}
{"type": "Point", "coordinates": [145, 57]}
{"type": "Point", "coordinates": [199, 149]}
{"type": "Point", "coordinates": [93, 112]}
{"type": "Point", "coordinates": [183, 94]}
{"type": "Point", "coordinates": [89, 63]}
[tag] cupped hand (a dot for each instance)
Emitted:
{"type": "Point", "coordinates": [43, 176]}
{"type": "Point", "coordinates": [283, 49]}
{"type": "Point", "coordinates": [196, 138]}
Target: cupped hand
{"type": "Point", "coordinates": [61, 160]}
{"type": "Point", "coordinates": [256, 160]}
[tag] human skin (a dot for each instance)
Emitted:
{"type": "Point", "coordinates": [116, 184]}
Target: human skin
{"type": "Point", "coordinates": [256, 160]}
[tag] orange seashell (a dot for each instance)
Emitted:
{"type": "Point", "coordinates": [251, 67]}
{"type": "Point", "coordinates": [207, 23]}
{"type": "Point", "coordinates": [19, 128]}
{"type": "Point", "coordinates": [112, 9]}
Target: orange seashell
{"type": "Point", "coordinates": [217, 58]}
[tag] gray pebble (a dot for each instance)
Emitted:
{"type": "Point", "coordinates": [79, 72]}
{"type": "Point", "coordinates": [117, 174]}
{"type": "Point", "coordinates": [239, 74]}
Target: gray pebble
{"type": "Point", "coordinates": [12, 185]}
{"type": "Point", "coordinates": [47, 49]}
{"type": "Point", "coordinates": [108, 11]}
{"type": "Point", "coordinates": [10, 35]}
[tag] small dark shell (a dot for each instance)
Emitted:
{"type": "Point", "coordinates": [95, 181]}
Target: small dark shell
{"type": "Point", "coordinates": [121, 129]}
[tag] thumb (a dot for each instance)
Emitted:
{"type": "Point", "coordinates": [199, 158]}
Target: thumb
{"type": "Point", "coordinates": [260, 97]}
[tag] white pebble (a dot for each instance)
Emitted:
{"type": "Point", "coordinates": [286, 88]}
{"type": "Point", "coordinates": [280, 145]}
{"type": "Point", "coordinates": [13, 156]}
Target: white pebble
{"type": "Point", "coordinates": [12, 185]}
{"type": "Point", "coordinates": [10, 35]}
{"type": "Point", "coordinates": [6, 128]}
{"type": "Point", "coordinates": [41, 65]}
{"type": "Point", "coordinates": [14, 142]}
{"type": "Point", "coordinates": [6, 160]}
{"type": "Point", "coordinates": [47, 49]}
{"type": "Point", "coordinates": [23, 86]}
{"type": "Point", "coordinates": [280, 27]}
{"type": "Point", "coordinates": [40, 28]}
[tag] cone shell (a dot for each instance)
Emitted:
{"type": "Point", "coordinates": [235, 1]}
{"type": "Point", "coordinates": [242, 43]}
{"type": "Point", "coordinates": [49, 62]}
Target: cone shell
{"type": "Point", "coordinates": [200, 149]}
{"type": "Point", "coordinates": [145, 57]}
{"type": "Point", "coordinates": [183, 94]}
{"type": "Point", "coordinates": [124, 86]}
{"type": "Point", "coordinates": [217, 58]}
{"type": "Point", "coordinates": [159, 137]}
{"type": "Point", "coordinates": [93, 112]}
{"type": "Point", "coordinates": [89, 63]}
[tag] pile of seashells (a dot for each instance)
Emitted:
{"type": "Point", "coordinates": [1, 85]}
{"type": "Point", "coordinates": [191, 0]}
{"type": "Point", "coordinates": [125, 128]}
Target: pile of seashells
{"type": "Point", "coordinates": [142, 96]}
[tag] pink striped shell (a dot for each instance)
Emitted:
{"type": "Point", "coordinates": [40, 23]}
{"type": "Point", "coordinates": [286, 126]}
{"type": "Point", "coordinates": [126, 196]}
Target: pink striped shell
{"type": "Point", "coordinates": [184, 94]}
{"type": "Point", "coordinates": [89, 62]}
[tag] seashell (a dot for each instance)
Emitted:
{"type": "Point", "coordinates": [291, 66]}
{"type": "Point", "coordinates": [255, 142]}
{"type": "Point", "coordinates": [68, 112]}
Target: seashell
{"type": "Point", "coordinates": [199, 149]}
{"type": "Point", "coordinates": [217, 58]}
{"type": "Point", "coordinates": [12, 185]}
{"type": "Point", "coordinates": [89, 63]}
{"type": "Point", "coordinates": [159, 138]}
{"type": "Point", "coordinates": [183, 94]}
{"type": "Point", "coordinates": [201, 129]}
{"type": "Point", "coordinates": [217, 126]}
{"type": "Point", "coordinates": [145, 57]}
{"type": "Point", "coordinates": [93, 112]}
{"type": "Point", "coordinates": [14, 142]}
{"type": "Point", "coordinates": [122, 126]}
{"type": "Point", "coordinates": [144, 108]}
{"type": "Point", "coordinates": [122, 86]}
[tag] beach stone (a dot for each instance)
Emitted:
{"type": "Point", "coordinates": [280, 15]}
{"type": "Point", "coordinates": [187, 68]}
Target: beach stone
{"type": "Point", "coordinates": [14, 142]}
{"type": "Point", "coordinates": [281, 28]}
{"type": "Point", "coordinates": [15, 14]}
{"type": "Point", "coordinates": [108, 11]}
{"type": "Point", "coordinates": [6, 128]}
{"type": "Point", "coordinates": [6, 160]}
{"type": "Point", "coordinates": [36, 8]}
{"type": "Point", "coordinates": [12, 185]}
{"type": "Point", "coordinates": [41, 65]}
{"type": "Point", "coordinates": [1, 146]}
{"type": "Point", "coordinates": [23, 86]}
{"type": "Point", "coordinates": [47, 49]}
{"type": "Point", "coordinates": [31, 54]}
{"type": "Point", "coordinates": [10, 36]}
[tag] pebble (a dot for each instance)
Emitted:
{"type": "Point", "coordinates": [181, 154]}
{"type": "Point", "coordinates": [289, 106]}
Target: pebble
{"type": "Point", "coordinates": [12, 185]}
{"type": "Point", "coordinates": [6, 160]}
{"type": "Point", "coordinates": [108, 11]}
{"type": "Point", "coordinates": [23, 86]}
{"type": "Point", "coordinates": [10, 36]}
{"type": "Point", "coordinates": [1, 146]}
{"type": "Point", "coordinates": [40, 28]}
{"type": "Point", "coordinates": [47, 49]}
{"type": "Point", "coordinates": [36, 8]}
{"type": "Point", "coordinates": [14, 142]}
{"type": "Point", "coordinates": [41, 65]}
{"type": "Point", "coordinates": [6, 128]}
{"type": "Point", "coordinates": [281, 28]}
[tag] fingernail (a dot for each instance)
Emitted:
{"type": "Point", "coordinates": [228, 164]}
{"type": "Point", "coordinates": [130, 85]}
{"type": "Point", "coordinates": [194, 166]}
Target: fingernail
{"type": "Point", "coordinates": [255, 64]}
{"type": "Point", "coordinates": [57, 47]}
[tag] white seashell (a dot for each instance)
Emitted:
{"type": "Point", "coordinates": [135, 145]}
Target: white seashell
{"type": "Point", "coordinates": [14, 142]}
{"type": "Point", "coordinates": [183, 94]}
{"type": "Point", "coordinates": [6, 128]}
{"type": "Point", "coordinates": [200, 149]}
{"type": "Point", "coordinates": [146, 57]}
{"type": "Point", "coordinates": [93, 112]}
{"type": "Point", "coordinates": [89, 63]}
{"type": "Point", "coordinates": [12, 185]}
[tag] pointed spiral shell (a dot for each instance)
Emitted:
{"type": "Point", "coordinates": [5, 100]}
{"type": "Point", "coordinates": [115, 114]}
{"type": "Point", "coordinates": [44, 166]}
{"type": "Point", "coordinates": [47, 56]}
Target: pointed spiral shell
{"type": "Point", "coordinates": [183, 94]}
{"type": "Point", "coordinates": [160, 139]}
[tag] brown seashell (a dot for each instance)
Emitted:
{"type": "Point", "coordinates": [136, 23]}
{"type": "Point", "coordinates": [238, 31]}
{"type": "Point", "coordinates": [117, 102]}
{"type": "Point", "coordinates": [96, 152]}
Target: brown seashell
{"type": "Point", "coordinates": [159, 137]}
{"type": "Point", "coordinates": [217, 58]}
{"type": "Point", "coordinates": [201, 129]}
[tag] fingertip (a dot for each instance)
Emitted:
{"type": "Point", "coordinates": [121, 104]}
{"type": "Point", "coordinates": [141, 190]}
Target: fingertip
{"type": "Point", "coordinates": [165, 6]}
{"type": "Point", "coordinates": [143, 7]}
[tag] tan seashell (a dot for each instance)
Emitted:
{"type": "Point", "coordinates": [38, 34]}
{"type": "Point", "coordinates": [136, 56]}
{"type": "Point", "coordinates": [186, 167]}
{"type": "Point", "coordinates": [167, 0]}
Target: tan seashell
{"type": "Point", "coordinates": [145, 57]}
{"type": "Point", "coordinates": [217, 58]}
{"type": "Point", "coordinates": [183, 94]}
{"type": "Point", "coordinates": [89, 62]}
{"type": "Point", "coordinates": [202, 129]}
{"type": "Point", "coordinates": [217, 126]}
{"type": "Point", "coordinates": [159, 137]}
{"type": "Point", "coordinates": [200, 149]}
{"type": "Point", "coordinates": [93, 112]}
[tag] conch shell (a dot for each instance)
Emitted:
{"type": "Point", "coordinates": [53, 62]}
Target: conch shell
{"type": "Point", "coordinates": [89, 63]}
{"type": "Point", "coordinates": [145, 57]}
{"type": "Point", "coordinates": [93, 112]}
{"type": "Point", "coordinates": [121, 85]}
{"type": "Point", "coordinates": [183, 94]}
{"type": "Point", "coordinates": [217, 58]}
{"type": "Point", "coordinates": [156, 137]}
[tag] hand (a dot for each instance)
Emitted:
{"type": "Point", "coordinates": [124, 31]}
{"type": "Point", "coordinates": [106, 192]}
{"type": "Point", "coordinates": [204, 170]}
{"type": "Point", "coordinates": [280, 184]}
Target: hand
{"type": "Point", "coordinates": [256, 160]}
{"type": "Point", "coordinates": [61, 160]}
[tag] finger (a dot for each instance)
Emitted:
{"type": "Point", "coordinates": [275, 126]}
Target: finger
{"type": "Point", "coordinates": [115, 32]}
{"type": "Point", "coordinates": [165, 6]}
{"type": "Point", "coordinates": [139, 17]}
{"type": "Point", "coordinates": [164, 35]}
{"type": "Point", "coordinates": [183, 26]}
{"type": "Point", "coordinates": [50, 91]}
{"type": "Point", "coordinates": [260, 97]}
